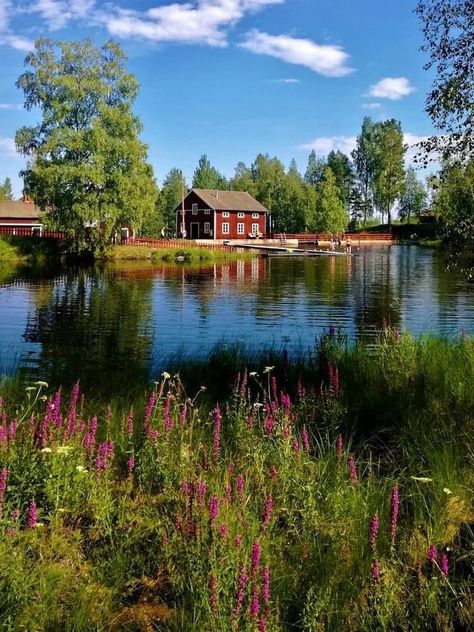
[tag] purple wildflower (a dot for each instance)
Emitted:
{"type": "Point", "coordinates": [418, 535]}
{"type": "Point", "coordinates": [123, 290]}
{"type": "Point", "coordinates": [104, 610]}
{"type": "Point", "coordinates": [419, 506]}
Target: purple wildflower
{"type": "Point", "coordinates": [262, 624]}
{"type": "Point", "coordinates": [375, 571]}
{"type": "Point", "coordinates": [130, 423]}
{"type": "Point", "coordinates": [238, 541]}
{"type": "Point", "coordinates": [89, 439]}
{"type": "Point", "coordinates": [217, 432]}
{"type": "Point", "coordinates": [266, 585]}
{"type": "Point", "coordinates": [167, 420]}
{"type": "Point", "coordinates": [242, 581]}
{"type": "Point", "coordinates": [149, 411]}
{"type": "Point", "coordinates": [339, 447]}
{"type": "Point", "coordinates": [269, 422]}
{"type": "Point", "coordinates": [353, 470]}
{"type": "Point", "coordinates": [240, 487]}
{"type": "Point", "coordinates": [200, 489]}
{"type": "Point", "coordinates": [273, 472]}
{"type": "Point", "coordinates": [295, 446]}
{"type": "Point", "coordinates": [305, 439]}
{"type": "Point", "coordinates": [255, 557]}
{"type": "Point", "coordinates": [213, 593]}
{"type": "Point", "coordinates": [432, 554]}
{"type": "Point", "coordinates": [213, 508]}
{"type": "Point", "coordinates": [3, 483]}
{"type": "Point", "coordinates": [223, 531]}
{"type": "Point", "coordinates": [444, 565]}
{"type": "Point", "coordinates": [274, 389]}
{"type": "Point", "coordinates": [71, 427]}
{"type": "Point", "coordinates": [374, 529]}
{"type": "Point", "coordinates": [183, 413]}
{"type": "Point", "coordinates": [254, 606]}
{"type": "Point", "coordinates": [56, 408]}
{"type": "Point", "coordinates": [394, 514]}
{"type": "Point", "coordinates": [285, 401]}
{"type": "Point", "coordinates": [32, 515]}
{"type": "Point", "coordinates": [12, 426]}
{"type": "Point", "coordinates": [105, 454]}
{"type": "Point", "coordinates": [267, 511]}
{"type": "Point", "coordinates": [130, 465]}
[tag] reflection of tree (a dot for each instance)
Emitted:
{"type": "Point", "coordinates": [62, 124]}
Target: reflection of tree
{"type": "Point", "coordinates": [97, 327]}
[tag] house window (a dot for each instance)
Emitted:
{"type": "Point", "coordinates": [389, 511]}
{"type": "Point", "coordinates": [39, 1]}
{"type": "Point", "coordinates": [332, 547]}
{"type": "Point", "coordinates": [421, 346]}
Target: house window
{"type": "Point", "coordinates": [207, 211]}
{"type": "Point", "coordinates": [255, 215]}
{"type": "Point", "coordinates": [240, 228]}
{"type": "Point", "coordinates": [240, 214]}
{"type": "Point", "coordinates": [225, 228]}
{"type": "Point", "coordinates": [207, 228]}
{"type": "Point", "coordinates": [255, 229]}
{"type": "Point", "coordinates": [195, 209]}
{"type": "Point", "coordinates": [225, 214]}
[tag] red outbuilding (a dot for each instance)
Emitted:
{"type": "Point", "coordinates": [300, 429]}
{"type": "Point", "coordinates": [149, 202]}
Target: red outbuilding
{"type": "Point", "coordinates": [20, 217]}
{"type": "Point", "coordinates": [212, 214]}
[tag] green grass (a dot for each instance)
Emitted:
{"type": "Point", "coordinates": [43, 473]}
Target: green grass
{"type": "Point", "coordinates": [191, 254]}
{"type": "Point", "coordinates": [29, 249]}
{"type": "Point", "coordinates": [138, 546]}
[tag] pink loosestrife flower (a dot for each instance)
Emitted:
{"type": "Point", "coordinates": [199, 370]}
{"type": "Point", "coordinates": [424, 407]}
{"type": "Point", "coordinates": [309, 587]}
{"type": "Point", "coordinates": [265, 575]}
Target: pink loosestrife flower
{"type": "Point", "coordinates": [213, 597]}
{"type": "Point", "coordinates": [269, 422]}
{"type": "Point", "coordinates": [373, 531]}
{"type": "Point", "coordinates": [213, 508]}
{"type": "Point", "coordinates": [295, 446]}
{"type": "Point", "coordinates": [200, 490]}
{"type": "Point", "coordinates": [56, 412]}
{"type": "Point", "coordinates": [394, 514]}
{"type": "Point", "coordinates": [130, 423]}
{"type": "Point", "coordinates": [375, 571]}
{"type": "Point", "coordinates": [89, 439]}
{"type": "Point", "coordinates": [183, 414]}
{"type": "Point", "coordinates": [339, 447]}
{"type": "Point", "coordinates": [167, 420]}
{"type": "Point", "coordinates": [105, 455]}
{"type": "Point", "coordinates": [32, 515]}
{"type": "Point", "coordinates": [255, 557]}
{"type": "Point", "coordinates": [130, 465]}
{"type": "Point", "coordinates": [262, 624]}
{"type": "Point", "coordinates": [444, 565]}
{"type": "Point", "coordinates": [12, 426]}
{"type": "Point", "coordinates": [353, 470]}
{"type": "Point", "coordinates": [274, 389]}
{"type": "Point", "coordinates": [238, 541]}
{"type": "Point", "coordinates": [240, 484]}
{"type": "Point", "coordinates": [217, 433]}
{"type": "Point", "coordinates": [432, 554]}
{"type": "Point", "coordinates": [3, 482]}
{"type": "Point", "coordinates": [223, 531]}
{"type": "Point", "coordinates": [71, 427]}
{"type": "Point", "coordinates": [305, 439]}
{"type": "Point", "coordinates": [267, 511]}
{"type": "Point", "coordinates": [243, 385]}
{"type": "Point", "coordinates": [254, 607]}
{"type": "Point", "coordinates": [285, 401]}
{"type": "Point", "coordinates": [242, 581]}
{"type": "Point", "coordinates": [273, 472]}
{"type": "Point", "coordinates": [266, 586]}
{"type": "Point", "coordinates": [149, 411]}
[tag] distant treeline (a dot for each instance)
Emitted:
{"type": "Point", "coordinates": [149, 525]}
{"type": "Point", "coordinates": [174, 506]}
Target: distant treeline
{"type": "Point", "coordinates": [333, 193]}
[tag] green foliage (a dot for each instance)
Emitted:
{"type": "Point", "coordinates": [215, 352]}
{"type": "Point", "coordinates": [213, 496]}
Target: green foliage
{"type": "Point", "coordinates": [88, 167]}
{"type": "Point", "coordinates": [207, 177]}
{"type": "Point", "coordinates": [156, 534]}
{"type": "Point", "coordinates": [447, 30]}
{"type": "Point", "coordinates": [330, 214]}
{"type": "Point", "coordinates": [413, 199]}
{"type": "Point", "coordinates": [453, 202]}
{"type": "Point", "coordinates": [314, 170]}
{"type": "Point", "coordinates": [341, 167]}
{"type": "Point", "coordinates": [389, 178]}
{"type": "Point", "coordinates": [6, 191]}
{"type": "Point", "coordinates": [364, 158]}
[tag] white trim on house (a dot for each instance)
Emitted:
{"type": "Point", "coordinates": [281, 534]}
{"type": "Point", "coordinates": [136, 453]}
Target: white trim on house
{"type": "Point", "coordinates": [226, 228]}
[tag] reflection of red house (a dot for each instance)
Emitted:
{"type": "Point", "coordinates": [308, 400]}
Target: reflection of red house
{"type": "Point", "coordinates": [21, 214]}
{"type": "Point", "coordinates": [211, 214]}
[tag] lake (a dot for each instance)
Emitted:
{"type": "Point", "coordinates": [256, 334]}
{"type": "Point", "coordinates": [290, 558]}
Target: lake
{"type": "Point", "coordinates": [130, 320]}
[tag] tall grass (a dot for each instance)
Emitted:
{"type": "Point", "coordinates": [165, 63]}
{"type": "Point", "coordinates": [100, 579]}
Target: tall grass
{"type": "Point", "coordinates": [331, 495]}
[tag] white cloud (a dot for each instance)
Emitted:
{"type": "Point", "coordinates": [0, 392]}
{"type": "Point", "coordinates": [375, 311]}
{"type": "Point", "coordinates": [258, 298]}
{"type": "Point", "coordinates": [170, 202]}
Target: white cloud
{"type": "Point", "coordinates": [324, 144]}
{"type": "Point", "coordinates": [330, 61]}
{"type": "Point", "coordinates": [57, 13]}
{"type": "Point", "coordinates": [201, 22]}
{"type": "Point", "coordinates": [16, 41]}
{"type": "Point", "coordinates": [5, 8]}
{"type": "Point", "coordinates": [8, 148]}
{"type": "Point", "coordinates": [11, 106]}
{"type": "Point", "coordinates": [289, 81]}
{"type": "Point", "coordinates": [392, 88]}
{"type": "Point", "coordinates": [372, 106]}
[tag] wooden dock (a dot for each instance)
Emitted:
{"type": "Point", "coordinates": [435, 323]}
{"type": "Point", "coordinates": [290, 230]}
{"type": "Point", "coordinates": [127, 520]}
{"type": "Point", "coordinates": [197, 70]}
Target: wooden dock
{"type": "Point", "coordinates": [285, 250]}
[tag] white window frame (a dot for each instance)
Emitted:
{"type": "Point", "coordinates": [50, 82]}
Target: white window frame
{"type": "Point", "coordinates": [255, 229]}
{"type": "Point", "coordinates": [240, 228]}
{"type": "Point", "coordinates": [225, 228]}
{"type": "Point", "coordinates": [255, 215]}
{"type": "Point", "coordinates": [207, 211]}
{"type": "Point", "coordinates": [240, 214]}
{"type": "Point", "coordinates": [225, 214]}
{"type": "Point", "coordinates": [207, 228]}
{"type": "Point", "coordinates": [194, 208]}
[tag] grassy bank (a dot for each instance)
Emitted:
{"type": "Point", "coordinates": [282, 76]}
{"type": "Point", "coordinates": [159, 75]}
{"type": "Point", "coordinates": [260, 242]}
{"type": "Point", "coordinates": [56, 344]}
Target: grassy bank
{"type": "Point", "coordinates": [330, 494]}
{"type": "Point", "coordinates": [29, 250]}
{"type": "Point", "coordinates": [189, 253]}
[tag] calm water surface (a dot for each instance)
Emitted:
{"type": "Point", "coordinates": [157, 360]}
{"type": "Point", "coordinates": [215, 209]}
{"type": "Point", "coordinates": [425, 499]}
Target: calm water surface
{"type": "Point", "coordinates": [131, 319]}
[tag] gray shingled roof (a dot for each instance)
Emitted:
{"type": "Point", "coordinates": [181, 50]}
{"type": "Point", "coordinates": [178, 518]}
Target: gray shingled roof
{"type": "Point", "coordinates": [11, 209]}
{"type": "Point", "coordinates": [229, 200]}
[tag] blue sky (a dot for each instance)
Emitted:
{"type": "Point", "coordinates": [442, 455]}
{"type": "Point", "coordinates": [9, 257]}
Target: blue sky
{"type": "Point", "coordinates": [232, 78]}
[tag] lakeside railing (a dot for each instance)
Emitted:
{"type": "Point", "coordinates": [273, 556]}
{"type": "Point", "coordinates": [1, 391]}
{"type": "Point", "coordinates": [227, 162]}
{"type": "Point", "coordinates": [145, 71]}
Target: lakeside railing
{"type": "Point", "coordinates": [311, 238]}
{"type": "Point", "coordinates": [28, 231]}
{"type": "Point", "coordinates": [176, 243]}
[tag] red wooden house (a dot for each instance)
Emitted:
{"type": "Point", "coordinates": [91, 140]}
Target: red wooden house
{"type": "Point", "coordinates": [211, 214]}
{"type": "Point", "coordinates": [20, 217]}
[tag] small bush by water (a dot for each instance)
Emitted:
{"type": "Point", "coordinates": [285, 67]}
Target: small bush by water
{"type": "Point", "coordinates": [330, 495]}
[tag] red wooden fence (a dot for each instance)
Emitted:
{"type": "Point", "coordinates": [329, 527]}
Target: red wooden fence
{"type": "Point", "coordinates": [307, 237]}
{"type": "Point", "coordinates": [175, 243]}
{"type": "Point", "coordinates": [28, 231]}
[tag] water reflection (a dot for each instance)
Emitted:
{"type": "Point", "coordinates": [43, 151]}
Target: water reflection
{"type": "Point", "coordinates": [118, 321]}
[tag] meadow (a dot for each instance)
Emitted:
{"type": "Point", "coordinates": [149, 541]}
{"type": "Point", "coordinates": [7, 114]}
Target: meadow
{"type": "Point", "coordinates": [246, 493]}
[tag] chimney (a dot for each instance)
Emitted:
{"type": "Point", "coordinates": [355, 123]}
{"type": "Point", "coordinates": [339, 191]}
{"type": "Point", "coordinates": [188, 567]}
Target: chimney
{"type": "Point", "coordinates": [217, 194]}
